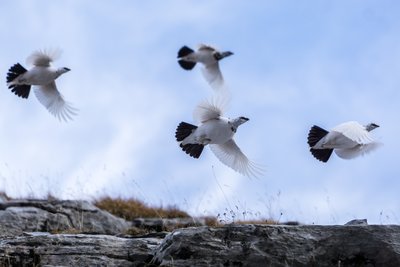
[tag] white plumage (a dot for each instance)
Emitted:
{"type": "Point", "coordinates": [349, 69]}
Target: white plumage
{"type": "Point", "coordinates": [209, 57]}
{"type": "Point", "coordinates": [216, 131]}
{"type": "Point", "coordinates": [43, 76]}
{"type": "Point", "coordinates": [348, 140]}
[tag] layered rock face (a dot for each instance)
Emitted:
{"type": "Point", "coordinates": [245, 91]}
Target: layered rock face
{"type": "Point", "coordinates": [76, 233]}
{"type": "Point", "coordinates": [18, 216]}
{"type": "Point", "coordinates": [275, 245]}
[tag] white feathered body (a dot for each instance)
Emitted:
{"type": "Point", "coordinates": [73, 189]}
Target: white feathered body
{"type": "Point", "coordinates": [42, 75]}
{"type": "Point", "coordinates": [215, 131]}
{"type": "Point", "coordinates": [349, 140]}
{"type": "Point", "coordinates": [209, 57]}
{"type": "Point", "coordinates": [205, 56]}
{"type": "Point", "coordinates": [335, 140]}
{"type": "Point", "coordinates": [346, 135]}
{"type": "Point", "coordinates": [38, 75]}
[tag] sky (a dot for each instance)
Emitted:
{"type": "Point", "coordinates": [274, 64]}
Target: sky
{"type": "Point", "coordinates": [295, 64]}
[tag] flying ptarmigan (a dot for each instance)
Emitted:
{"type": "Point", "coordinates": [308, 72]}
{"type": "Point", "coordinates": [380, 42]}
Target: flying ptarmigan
{"type": "Point", "coordinates": [217, 132]}
{"type": "Point", "coordinates": [209, 57]}
{"type": "Point", "coordinates": [349, 140]}
{"type": "Point", "coordinates": [43, 76]}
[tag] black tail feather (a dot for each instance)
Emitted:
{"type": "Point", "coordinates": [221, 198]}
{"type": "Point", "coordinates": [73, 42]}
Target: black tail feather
{"type": "Point", "coordinates": [14, 72]}
{"type": "Point", "coordinates": [321, 154]}
{"type": "Point", "coordinates": [184, 51]}
{"type": "Point", "coordinates": [183, 130]}
{"type": "Point", "coordinates": [316, 133]}
{"type": "Point", "coordinates": [22, 90]}
{"type": "Point", "coordinates": [186, 65]}
{"type": "Point", "coordinates": [194, 150]}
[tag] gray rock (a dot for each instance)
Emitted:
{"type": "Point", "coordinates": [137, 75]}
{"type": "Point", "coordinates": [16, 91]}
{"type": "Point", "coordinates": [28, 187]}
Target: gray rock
{"type": "Point", "coordinates": [159, 224]}
{"type": "Point", "coordinates": [17, 216]}
{"type": "Point", "coordinates": [33, 233]}
{"type": "Point", "coordinates": [359, 222]}
{"type": "Point", "coordinates": [277, 245]}
{"type": "Point", "coordinates": [76, 250]}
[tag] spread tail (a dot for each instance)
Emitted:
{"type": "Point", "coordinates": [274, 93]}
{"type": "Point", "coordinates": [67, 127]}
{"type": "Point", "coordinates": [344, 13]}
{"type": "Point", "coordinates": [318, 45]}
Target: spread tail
{"type": "Point", "coordinates": [184, 130]}
{"type": "Point", "coordinates": [183, 52]}
{"type": "Point", "coordinates": [315, 134]}
{"type": "Point", "coordinates": [21, 90]}
{"type": "Point", "coordinates": [186, 65]}
{"type": "Point", "coordinates": [194, 150]}
{"type": "Point", "coordinates": [14, 72]}
{"type": "Point", "coordinates": [321, 154]}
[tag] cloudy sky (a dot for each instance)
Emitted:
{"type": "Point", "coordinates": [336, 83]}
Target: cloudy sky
{"type": "Point", "coordinates": [294, 65]}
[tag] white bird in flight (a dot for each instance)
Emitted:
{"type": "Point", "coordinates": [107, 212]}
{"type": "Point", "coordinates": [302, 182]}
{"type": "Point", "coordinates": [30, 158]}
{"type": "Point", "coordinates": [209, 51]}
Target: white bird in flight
{"type": "Point", "coordinates": [42, 75]}
{"type": "Point", "coordinates": [217, 132]}
{"type": "Point", "coordinates": [209, 57]}
{"type": "Point", "coordinates": [349, 140]}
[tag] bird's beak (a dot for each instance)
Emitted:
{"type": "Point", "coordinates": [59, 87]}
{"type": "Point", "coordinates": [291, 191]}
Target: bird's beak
{"type": "Point", "coordinates": [67, 69]}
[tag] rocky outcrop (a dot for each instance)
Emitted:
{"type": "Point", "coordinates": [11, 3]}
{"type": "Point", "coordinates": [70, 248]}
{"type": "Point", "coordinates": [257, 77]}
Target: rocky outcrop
{"type": "Point", "coordinates": [55, 216]}
{"type": "Point", "coordinates": [76, 250]}
{"type": "Point", "coordinates": [76, 233]}
{"type": "Point", "coordinates": [275, 245]}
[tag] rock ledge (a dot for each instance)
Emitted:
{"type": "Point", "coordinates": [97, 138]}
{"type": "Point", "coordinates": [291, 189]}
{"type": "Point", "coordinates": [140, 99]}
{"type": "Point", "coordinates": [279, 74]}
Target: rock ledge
{"type": "Point", "coordinates": [44, 233]}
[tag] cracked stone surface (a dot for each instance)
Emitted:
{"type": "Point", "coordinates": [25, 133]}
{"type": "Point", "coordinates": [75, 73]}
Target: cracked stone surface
{"type": "Point", "coordinates": [279, 245]}
{"type": "Point", "coordinates": [35, 233]}
{"type": "Point", "coordinates": [18, 216]}
{"type": "Point", "coordinates": [76, 250]}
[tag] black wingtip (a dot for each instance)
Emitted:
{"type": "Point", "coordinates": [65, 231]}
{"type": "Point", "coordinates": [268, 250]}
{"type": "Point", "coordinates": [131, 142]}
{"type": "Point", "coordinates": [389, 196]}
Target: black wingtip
{"type": "Point", "coordinates": [184, 51]}
{"type": "Point", "coordinates": [183, 130]}
{"type": "Point", "coordinates": [21, 90]}
{"type": "Point", "coordinates": [14, 72]}
{"type": "Point", "coordinates": [321, 154]}
{"type": "Point", "coordinates": [186, 65]}
{"type": "Point", "coordinates": [315, 134]}
{"type": "Point", "coordinates": [194, 150]}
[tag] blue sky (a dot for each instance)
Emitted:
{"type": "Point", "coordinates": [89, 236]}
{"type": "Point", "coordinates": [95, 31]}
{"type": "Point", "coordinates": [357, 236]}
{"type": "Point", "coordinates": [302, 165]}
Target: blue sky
{"type": "Point", "coordinates": [296, 64]}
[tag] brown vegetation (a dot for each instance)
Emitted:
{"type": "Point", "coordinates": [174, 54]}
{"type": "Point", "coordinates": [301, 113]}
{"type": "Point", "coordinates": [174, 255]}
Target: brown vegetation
{"type": "Point", "coordinates": [132, 208]}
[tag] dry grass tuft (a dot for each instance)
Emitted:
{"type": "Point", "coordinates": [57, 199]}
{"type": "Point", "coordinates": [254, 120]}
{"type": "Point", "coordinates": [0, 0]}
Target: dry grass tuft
{"type": "Point", "coordinates": [132, 208]}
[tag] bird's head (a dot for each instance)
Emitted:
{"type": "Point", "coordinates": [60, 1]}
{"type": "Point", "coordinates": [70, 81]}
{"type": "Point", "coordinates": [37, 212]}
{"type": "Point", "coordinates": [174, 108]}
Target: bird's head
{"type": "Point", "coordinates": [369, 127]}
{"type": "Point", "coordinates": [221, 55]}
{"type": "Point", "coordinates": [237, 122]}
{"type": "Point", "coordinates": [226, 54]}
{"type": "Point", "coordinates": [62, 70]}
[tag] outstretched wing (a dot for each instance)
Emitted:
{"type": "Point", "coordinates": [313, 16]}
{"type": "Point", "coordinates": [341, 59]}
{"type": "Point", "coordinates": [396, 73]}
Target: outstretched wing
{"type": "Point", "coordinates": [231, 155]}
{"type": "Point", "coordinates": [210, 109]}
{"type": "Point", "coordinates": [355, 132]}
{"type": "Point", "coordinates": [44, 57]}
{"type": "Point", "coordinates": [213, 75]}
{"type": "Point", "coordinates": [205, 47]}
{"type": "Point", "coordinates": [51, 98]}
